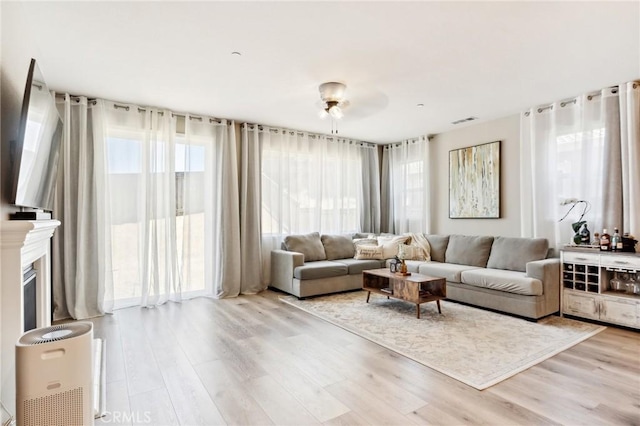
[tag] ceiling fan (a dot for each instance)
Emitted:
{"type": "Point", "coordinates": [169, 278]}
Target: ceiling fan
{"type": "Point", "coordinates": [333, 100]}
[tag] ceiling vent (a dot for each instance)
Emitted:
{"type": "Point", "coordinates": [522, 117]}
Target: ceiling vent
{"type": "Point", "coordinates": [464, 120]}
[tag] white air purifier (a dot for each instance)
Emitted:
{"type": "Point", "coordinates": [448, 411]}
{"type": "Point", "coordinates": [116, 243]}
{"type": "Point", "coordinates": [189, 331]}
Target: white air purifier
{"type": "Point", "coordinates": [54, 376]}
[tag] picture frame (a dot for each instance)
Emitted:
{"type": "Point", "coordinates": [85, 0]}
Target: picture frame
{"type": "Point", "coordinates": [474, 182]}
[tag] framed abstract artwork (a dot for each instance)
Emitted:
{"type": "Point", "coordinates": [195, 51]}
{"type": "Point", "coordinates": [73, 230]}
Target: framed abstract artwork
{"type": "Point", "coordinates": [474, 182]}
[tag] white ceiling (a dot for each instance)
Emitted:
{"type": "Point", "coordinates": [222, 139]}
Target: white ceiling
{"type": "Point", "coordinates": [459, 59]}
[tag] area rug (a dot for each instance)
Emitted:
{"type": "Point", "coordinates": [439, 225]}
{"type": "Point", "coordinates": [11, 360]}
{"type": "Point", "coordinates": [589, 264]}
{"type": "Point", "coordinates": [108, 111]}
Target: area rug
{"type": "Point", "coordinates": [477, 347]}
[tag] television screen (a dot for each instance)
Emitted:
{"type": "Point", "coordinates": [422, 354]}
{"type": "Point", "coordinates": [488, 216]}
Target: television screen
{"type": "Point", "coordinates": [37, 147]}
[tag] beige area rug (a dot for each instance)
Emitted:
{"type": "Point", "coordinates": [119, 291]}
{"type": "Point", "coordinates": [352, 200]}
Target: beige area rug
{"type": "Point", "coordinates": [477, 347]}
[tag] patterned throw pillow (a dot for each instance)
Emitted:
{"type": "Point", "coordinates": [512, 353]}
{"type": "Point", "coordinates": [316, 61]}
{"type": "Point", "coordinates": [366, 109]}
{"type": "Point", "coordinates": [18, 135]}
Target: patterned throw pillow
{"type": "Point", "coordinates": [390, 244]}
{"type": "Point", "coordinates": [410, 252]}
{"type": "Point", "coordinates": [368, 252]}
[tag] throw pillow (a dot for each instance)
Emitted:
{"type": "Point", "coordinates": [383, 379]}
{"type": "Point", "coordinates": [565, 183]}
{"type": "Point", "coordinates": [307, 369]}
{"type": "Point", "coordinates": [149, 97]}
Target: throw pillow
{"type": "Point", "coordinates": [390, 244]}
{"type": "Point", "coordinates": [410, 252]}
{"type": "Point", "coordinates": [309, 245]}
{"type": "Point", "coordinates": [367, 252]}
{"type": "Point", "coordinates": [337, 246]}
{"type": "Point", "coordinates": [365, 241]}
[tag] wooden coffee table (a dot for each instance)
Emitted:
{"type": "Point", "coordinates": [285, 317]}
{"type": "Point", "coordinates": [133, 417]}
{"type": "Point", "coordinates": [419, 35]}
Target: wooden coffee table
{"type": "Point", "coordinates": [414, 288]}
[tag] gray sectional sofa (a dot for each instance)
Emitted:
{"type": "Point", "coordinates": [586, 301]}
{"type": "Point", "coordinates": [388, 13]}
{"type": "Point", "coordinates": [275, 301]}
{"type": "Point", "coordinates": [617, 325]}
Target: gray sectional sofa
{"type": "Point", "coordinates": [506, 274]}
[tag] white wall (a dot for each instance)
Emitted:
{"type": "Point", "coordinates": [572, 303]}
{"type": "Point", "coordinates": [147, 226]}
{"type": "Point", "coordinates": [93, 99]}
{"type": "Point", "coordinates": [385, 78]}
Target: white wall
{"type": "Point", "coordinates": [506, 130]}
{"type": "Point", "coordinates": [16, 50]}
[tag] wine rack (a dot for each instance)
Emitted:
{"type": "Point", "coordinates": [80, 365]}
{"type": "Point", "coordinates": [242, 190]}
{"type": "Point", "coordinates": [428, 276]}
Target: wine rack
{"type": "Point", "coordinates": [581, 273]}
{"type": "Point", "coordinates": [586, 290]}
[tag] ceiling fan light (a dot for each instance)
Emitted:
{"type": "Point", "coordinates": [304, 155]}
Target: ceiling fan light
{"type": "Point", "coordinates": [336, 112]}
{"type": "Point", "coordinates": [332, 91]}
{"type": "Point", "coordinates": [323, 114]}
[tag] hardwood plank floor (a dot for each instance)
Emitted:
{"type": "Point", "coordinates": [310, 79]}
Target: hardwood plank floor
{"type": "Point", "coordinates": [253, 360]}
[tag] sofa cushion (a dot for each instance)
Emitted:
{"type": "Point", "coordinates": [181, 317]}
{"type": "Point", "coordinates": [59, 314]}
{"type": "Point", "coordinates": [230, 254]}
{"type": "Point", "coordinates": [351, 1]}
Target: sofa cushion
{"type": "Point", "coordinates": [390, 244]}
{"type": "Point", "coordinates": [355, 266]}
{"type": "Point", "coordinates": [500, 279]}
{"type": "Point", "coordinates": [438, 244]}
{"type": "Point", "coordinates": [309, 245]}
{"type": "Point", "coordinates": [367, 252]}
{"type": "Point", "coordinates": [319, 269]}
{"type": "Point", "coordinates": [468, 250]}
{"type": "Point", "coordinates": [450, 271]}
{"type": "Point", "coordinates": [338, 246]}
{"type": "Point", "coordinates": [514, 253]}
{"type": "Point", "coordinates": [413, 265]}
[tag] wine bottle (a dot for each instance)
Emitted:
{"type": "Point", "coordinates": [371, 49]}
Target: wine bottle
{"type": "Point", "coordinates": [616, 240]}
{"type": "Point", "coordinates": [605, 240]}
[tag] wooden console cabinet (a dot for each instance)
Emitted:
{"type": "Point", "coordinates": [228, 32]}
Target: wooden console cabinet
{"type": "Point", "coordinates": [585, 286]}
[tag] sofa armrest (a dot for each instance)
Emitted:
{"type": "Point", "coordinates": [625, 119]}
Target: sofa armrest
{"type": "Point", "coordinates": [544, 270]}
{"type": "Point", "coordinates": [282, 265]}
{"type": "Point", "coordinates": [547, 271]}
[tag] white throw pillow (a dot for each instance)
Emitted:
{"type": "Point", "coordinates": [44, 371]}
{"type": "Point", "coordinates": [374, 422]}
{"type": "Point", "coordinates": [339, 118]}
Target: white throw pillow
{"type": "Point", "coordinates": [365, 241]}
{"type": "Point", "coordinates": [390, 244]}
{"type": "Point", "coordinates": [368, 252]}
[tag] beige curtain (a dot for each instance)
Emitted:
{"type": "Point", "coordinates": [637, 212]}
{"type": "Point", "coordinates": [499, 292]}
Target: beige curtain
{"type": "Point", "coordinates": [630, 155]}
{"type": "Point", "coordinates": [82, 284]}
{"type": "Point", "coordinates": [227, 255]}
{"type": "Point", "coordinates": [252, 279]}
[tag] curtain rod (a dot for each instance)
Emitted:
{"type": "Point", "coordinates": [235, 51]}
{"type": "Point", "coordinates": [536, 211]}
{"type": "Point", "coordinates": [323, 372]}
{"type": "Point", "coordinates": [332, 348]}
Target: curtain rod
{"type": "Point", "coordinates": [408, 141]}
{"type": "Point", "coordinates": [94, 101]}
{"type": "Point", "coordinates": [173, 114]}
{"type": "Point", "coordinates": [563, 104]}
{"type": "Point", "coordinates": [260, 127]}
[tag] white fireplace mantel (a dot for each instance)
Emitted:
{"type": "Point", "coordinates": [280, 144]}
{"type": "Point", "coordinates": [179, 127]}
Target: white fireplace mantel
{"type": "Point", "coordinates": [22, 243]}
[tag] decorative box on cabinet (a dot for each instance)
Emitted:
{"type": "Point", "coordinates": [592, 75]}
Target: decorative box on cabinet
{"type": "Point", "coordinates": [585, 287]}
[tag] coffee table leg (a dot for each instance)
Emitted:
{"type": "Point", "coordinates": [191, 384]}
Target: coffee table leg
{"type": "Point", "coordinates": [438, 302]}
{"type": "Point", "coordinates": [368, 294]}
{"type": "Point", "coordinates": [418, 310]}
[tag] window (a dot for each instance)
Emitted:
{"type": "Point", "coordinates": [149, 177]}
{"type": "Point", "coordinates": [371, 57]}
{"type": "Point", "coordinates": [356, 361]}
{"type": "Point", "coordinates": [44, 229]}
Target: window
{"type": "Point", "coordinates": [126, 180]}
{"type": "Point", "coordinates": [310, 185]}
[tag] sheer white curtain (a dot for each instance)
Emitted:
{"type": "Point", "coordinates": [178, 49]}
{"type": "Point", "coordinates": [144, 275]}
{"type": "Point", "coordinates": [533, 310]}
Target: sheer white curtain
{"type": "Point", "coordinates": [309, 183]}
{"type": "Point", "coordinates": [82, 281]}
{"type": "Point", "coordinates": [140, 169]}
{"type": "Point", "coordinates": [405, 186]}
{"type": "Point", "coordinates": [173, 205]}
{"type": "Point", "coordinates": [573, 150]}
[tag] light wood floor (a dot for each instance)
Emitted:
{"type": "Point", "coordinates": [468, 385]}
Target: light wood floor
{"type": "Point", "coordinates": [253, 360]}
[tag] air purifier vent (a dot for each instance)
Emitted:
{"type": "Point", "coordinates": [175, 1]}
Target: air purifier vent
{"type": "Point", "coordinates": [54, 333]}
{"type": "Point", "coordinates": [59, 409]}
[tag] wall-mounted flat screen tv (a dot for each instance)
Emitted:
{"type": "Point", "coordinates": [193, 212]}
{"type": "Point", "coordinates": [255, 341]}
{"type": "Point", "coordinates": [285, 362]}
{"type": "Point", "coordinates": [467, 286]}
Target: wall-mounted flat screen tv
{"type": "Point", "coordinates": [36, 150]}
